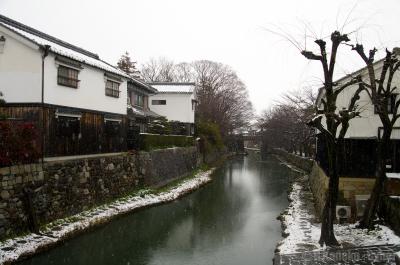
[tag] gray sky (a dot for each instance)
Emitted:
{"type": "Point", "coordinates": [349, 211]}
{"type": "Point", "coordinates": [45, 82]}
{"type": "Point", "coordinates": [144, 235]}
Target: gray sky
{"type": "Point", "coordinates": [227, 31]}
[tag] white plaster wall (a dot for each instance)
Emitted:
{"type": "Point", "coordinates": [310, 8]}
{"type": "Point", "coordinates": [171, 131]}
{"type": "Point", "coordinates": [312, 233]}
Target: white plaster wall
{"type": "Point", "coordinates": [20, 70]}
{"type": "Point", "coordinates": [365, 126]}
{"type": "Point", "coordinates": [178, 107]}
{"type": "Point", "coordinates": [90, 93]}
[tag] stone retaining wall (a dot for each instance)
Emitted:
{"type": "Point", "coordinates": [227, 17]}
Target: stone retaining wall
{"type": "Point", "coordinates": [390, 210]}
{"type": "Point", "coordinates": [319, 182]}
{"type": "Point", "coordinates": [63, 188]}
{"type": "Point", "coordinates": [160, 166]}
{"type": "Point", "coordinates": [348, 188]}
{"type": "Point", "coordinates": [303, 163]}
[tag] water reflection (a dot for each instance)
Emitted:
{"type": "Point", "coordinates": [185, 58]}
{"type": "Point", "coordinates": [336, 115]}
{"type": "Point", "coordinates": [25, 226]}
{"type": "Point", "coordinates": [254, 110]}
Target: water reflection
{"type": "Point", "coordinates": [230, 221]}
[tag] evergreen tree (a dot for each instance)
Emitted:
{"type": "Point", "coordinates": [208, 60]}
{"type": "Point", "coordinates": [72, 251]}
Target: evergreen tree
{"type": "Point", "coordinates": [126, 64]}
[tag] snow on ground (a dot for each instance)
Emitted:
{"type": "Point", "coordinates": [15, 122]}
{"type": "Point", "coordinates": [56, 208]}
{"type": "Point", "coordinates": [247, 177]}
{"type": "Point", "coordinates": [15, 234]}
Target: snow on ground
{"type": "Point", "coordinates": [302, 230]}
{"type": "Point", "coordinates": [13, 249]}
{"type": "Point", "coordinates": [393, 175]}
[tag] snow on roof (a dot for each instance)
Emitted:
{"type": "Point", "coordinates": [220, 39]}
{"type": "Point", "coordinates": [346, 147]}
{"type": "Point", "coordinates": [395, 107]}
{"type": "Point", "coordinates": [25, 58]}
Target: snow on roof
{"type": "Point", "coordinates": [58, 46]}
{"type": "Point", "coordinates": [174, 87]}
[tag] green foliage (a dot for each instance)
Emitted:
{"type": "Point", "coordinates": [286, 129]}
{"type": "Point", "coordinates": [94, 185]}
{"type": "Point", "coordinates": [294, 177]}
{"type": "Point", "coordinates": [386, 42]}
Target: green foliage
{"type": "Point", "coordinates": [159, 126]}
{"type": "Point", "coordinates": [149, 142]}
{"type": "Point", "coordinates": [210, 136]}
{"type": "Point", "coordinates": [126, 64]}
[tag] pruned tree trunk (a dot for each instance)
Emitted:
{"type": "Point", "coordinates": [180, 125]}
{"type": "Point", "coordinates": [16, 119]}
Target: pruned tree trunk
{"type": "Point", "coordinates": [369, 215]}
{"type": "Point", "coordinates": [328, 214]}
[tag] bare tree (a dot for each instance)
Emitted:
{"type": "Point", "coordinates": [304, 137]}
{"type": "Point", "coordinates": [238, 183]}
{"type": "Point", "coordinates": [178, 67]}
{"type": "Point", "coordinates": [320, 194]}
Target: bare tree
{"type": "Point", "coordinates": [222, 96]}
{"type": "Point", "coordinates": [380, 89]}
{"type": "Point", "coordinates": [328, 122]}
{"type": "Point", "coordinates": [160, 70]}
{"type": "Point", "coordinates": [285, 125]}
{"type": "Point", "coordinates": [184, 72]}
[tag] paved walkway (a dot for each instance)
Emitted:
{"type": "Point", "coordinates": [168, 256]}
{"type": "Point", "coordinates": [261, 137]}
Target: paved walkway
{"type": "Point", "coordinates": [360, 256]}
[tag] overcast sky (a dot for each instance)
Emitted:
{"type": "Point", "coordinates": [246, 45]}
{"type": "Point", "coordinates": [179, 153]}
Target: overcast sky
{"type": "Point", "coordinates": [227, 31]}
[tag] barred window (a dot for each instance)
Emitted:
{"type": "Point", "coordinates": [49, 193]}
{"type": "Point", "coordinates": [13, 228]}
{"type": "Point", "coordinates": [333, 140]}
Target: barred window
{"type": "Point", "coordinates": [112, 89]}
{"type": "Point", "coordinates": [139, 100]}
{"type": "Point", "coordinates": [391, 102]}
{"type": "Point", "coordinates": [158, 102]}
{"type": "Point", "coordinates": [67, 76]}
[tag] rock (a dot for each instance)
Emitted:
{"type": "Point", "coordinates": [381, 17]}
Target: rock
{"type": "Point", "coordinates": [14, 170]}
{"type": "Point", "coordinates": [40, 176]}
{"type": "Point", "coordinates": [110, 166]}
{"type": "Point", "coordinates": [5, 195]}
{"type": "Point", "coordinates": [18, 180]}
{"type": "Point", "coordinates": [5, 171]}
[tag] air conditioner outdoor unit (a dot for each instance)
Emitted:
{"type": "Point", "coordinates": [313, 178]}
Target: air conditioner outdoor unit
{"type": "Point", "coordinates": [361, 204]}
{"type": "Point", "coordinates": [343, 212]}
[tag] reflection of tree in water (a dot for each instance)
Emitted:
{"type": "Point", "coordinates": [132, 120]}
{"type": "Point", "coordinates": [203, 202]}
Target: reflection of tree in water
{"type": "Point", "coordinates": [219, 211]}
{"type": "Point", "coordinates": [274, 179]}
{"type": "Point", "coordinates": [209, 218]}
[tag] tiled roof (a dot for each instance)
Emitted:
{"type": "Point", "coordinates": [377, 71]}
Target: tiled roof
{"type": "Point", "coordinates": [169, 87]}
{"type": "Point", "coordinates": [136, 112]}
{"type": "Point", "coordinates": [58, 46]}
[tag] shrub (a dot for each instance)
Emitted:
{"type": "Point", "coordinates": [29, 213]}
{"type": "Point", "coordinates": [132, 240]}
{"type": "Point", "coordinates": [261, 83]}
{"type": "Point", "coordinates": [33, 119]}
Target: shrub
{"type": "Point", "coordinates": [210, 136]}
{"type": "Point", "coordinates": [149, 142]}
{"type": "Point", "coordinates": [18, 143]}
{"type": "Point", "coordinates": [159, 126]}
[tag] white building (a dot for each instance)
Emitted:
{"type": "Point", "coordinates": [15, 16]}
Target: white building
{"type": "Point", "coordinates": [41, 73]}
{"type": "Point", "coordinates": [175, 101]}
{"type": "Point", "coordinates": [363, 132]}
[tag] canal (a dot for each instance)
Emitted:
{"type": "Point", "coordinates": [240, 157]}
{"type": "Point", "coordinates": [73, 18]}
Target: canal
{"type": "Point", "coordinates": [230, 221]}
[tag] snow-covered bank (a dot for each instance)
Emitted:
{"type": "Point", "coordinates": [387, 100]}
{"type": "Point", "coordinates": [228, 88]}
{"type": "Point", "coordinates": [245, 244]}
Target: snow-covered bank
{"type": "Point", "coordinates": [302, 231]}
{"type": "Point", "coordinates": [17, 248]}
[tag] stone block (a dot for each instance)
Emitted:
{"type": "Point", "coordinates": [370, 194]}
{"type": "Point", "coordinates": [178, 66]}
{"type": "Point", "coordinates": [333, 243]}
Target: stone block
{"type": "Point", "coordinates": [14, 170]}
{"type": "Point", "coordinates": [21, 169]}
{"type": "Point", "coordinates": [40, 176]}
{"type": "Point", "coordinates": [4, 184]}
{"type": "Point", "coordinates": [18, 180]}
{"type": "Point", "coordinates": [5, 195]}
{"type": "Point", "coordinates": [27, 168]}
{"type": "Point", "coordinates": [33, 167]}
{"type": "Point", "coordinates": [4, 171]}
{"type": "Point", "coordinates": [110, 166]}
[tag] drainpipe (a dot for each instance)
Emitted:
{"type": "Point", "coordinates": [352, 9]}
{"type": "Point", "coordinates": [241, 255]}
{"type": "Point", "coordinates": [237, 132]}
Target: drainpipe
{"type": "Point", "coordinates": [45, 51]}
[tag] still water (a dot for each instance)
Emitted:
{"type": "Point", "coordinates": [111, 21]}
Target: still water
{"type": "Point", "coordinates": [230, 221]}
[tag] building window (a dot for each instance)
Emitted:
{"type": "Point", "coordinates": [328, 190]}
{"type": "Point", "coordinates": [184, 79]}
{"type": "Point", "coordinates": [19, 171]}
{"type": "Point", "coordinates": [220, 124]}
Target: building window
{"type": "Point", "coordinates": [159, 102]}
{"type": "Point", "coordinates": [68, 126]}
{"type": "Point", "coordinates": [67, 76]}
{"type": "Point", "coordinates": [112, 89]}
{"type": "Point", "coordinates": [112, 128]}
{"type": "Point", "coordinates": [391, 103]}
{"type": "Point", "coordinates": [390, 106]}
{"type": "Point", "coordinates": [139, 100]}
{"type": "Point", "coordinates": [194, 102]}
